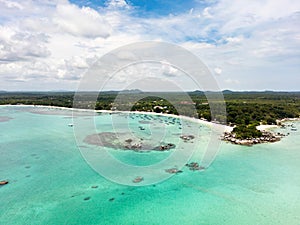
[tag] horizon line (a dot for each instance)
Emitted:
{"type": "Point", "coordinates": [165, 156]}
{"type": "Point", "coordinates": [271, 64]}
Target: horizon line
{"type": "Point", "coordinates": [146, 91]}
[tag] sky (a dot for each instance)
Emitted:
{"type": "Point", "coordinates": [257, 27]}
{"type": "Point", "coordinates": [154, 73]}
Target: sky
{"type": "Point", "coordinates": [48, 45]}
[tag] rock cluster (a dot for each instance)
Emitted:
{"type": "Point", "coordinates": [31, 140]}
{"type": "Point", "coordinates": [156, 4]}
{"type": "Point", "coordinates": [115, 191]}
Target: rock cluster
{"type": "Point", "coordinates": [173, 170]}
{"type": "Point", "coordinates": [138, 179]}
{"type": "Point", "coordinates": [187, 137]}
{"type": "Point", "coordinates": [165, 147]}
{"type": "Point", "coordinates": [194, 166]}
{"type": "Point", "coordinates": [265, 138]}
{"type": "Point", "coordinates": [120, 141]}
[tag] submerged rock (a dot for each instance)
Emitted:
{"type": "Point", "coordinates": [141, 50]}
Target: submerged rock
{"type": "Point", "coordinates": [187, 137]}
{"type": "Point", "coordinates": [173, 170]}
{"type": "Point", "coordinates": [120, 141]}
{"type": "Point", "coordinates": [138, 179]}
{"type": "Point", "coordinates": [165, 147]}
{"type": "Point", "coordinates": [5, 118]}
{"type": "Point", "coordinates": [87, 198]}
{"type": "Point", "coordinates": [128, 140]}
{"type": "Point", "coordinates": [194, 166]}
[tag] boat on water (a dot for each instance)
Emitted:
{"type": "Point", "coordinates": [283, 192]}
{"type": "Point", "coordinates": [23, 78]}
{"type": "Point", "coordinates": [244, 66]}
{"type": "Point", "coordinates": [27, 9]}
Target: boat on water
{"type": "Point", "coordinates": [70, 124]}
{"type": "Point", "coordinates": [138, 179]}
{"type": "Point", "coordinates": [294, 129]}
{"type": "Point", "coordinates": [3, 182]}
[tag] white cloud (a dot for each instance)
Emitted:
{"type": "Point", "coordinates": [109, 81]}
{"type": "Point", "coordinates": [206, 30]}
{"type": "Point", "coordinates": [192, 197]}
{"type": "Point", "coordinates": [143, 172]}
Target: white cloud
{"type": "Point", "coordinates": [218, 71]}
{"type": "Point", "coordinates": [57, 41]}
{"type": "Point", "coordinates": [231, 81]}
{"type": "Point", "coordinates": [249, 14]}
{"type": "Point", "coordinates": [206, 12]}
{"type": "Point", "coordinates": [61, 73]}
{"type": "Point", "coordinates": [18, 45]}
{"type": "Point", "coordinates": [234, 40]}
{"type": "Point", "coordinates": [77, 62]}
{"type": "Point", "coordinates": [11, 4]}
{"type": "Point", "coordinates": [84, 21]}
{"type": "Point", "coordinates": [168, 70]}
{"type": "Point", "coordinates": [117, 4]}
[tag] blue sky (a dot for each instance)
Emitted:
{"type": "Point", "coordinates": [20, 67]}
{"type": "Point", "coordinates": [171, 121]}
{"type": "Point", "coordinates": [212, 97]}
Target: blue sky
{"type": "Point", "coordinates": [247, 45]}
{"type": "Point", "coordinates": [148, 8]}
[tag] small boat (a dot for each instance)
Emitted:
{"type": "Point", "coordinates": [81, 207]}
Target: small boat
{"type": "Point", "coordinates": [3, 182]}
{"type": "Point", "coordinates": [294, 129]}
{"type": "Point", "coordinates": [70, 124]}
{"type": "Point", "coordinates": [137, 179]}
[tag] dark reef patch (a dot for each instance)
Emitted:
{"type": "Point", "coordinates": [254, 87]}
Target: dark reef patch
{"type": "Point", "coordinates": [121, 141]}
{"type": "Point", "coordinates": [5, 118]}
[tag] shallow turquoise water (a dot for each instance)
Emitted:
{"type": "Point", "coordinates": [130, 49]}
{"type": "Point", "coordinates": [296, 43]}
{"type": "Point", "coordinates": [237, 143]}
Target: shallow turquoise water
{"type": "Point", "coordinates": [49, 180]}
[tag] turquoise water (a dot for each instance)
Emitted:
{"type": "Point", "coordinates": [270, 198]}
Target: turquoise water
{"type": "Point", "coordinates": [51, 183]}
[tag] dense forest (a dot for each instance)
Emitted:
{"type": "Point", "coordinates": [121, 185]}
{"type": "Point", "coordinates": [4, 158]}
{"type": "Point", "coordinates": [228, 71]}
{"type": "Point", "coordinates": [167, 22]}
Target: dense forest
{"type": "Point", "coordinates": [245, 110]}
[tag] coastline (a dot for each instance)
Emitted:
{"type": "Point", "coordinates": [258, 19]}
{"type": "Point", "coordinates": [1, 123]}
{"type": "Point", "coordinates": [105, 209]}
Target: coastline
{"type": "Point", "coordinates": [268, 135]}
{"type": "Point", "coordinates": [266, 127]}
{"type": "Point", "coordinates": [222, 130]}
{"type": "Point", "coordinates": [212, 125]}
{"type": "Point", "coordinates": [270, 127]}
{"type": "Point", "coordinates": [289, 120]}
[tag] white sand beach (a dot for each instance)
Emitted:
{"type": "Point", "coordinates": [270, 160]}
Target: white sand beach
{"type": "Point", "coordinates": [266, 127]}
{"type": "Point", "coordinates": [214, 126]}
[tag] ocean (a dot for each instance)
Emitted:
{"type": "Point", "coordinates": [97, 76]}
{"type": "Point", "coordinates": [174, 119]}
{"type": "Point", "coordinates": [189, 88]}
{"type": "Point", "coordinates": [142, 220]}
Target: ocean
{"type": "Point", "coordinates": [56, 177]}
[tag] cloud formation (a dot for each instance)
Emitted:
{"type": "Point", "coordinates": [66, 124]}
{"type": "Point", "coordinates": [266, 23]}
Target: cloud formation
{"type": "Point", "coordinates": [51, 44]}
{"type": "Point", "coordinates": [80, 22]}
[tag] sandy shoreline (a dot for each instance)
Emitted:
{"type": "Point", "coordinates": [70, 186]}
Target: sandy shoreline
{"type": "Point", "coordinates": [289, 120]}
{"type": "Point", "coordinates": [266, 127]}
{"type": "Point", "coordinates": [269, 127]}
{"type": "Point", "coordinates": [215, 126]}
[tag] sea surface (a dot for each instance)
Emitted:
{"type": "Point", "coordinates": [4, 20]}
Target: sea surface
{"type": "Point", "coordinates": [52, 182]}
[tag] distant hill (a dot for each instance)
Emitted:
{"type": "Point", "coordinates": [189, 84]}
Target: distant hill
{"type": "Point", "coordinates": [227, 92]}
{"type": "Point", "coordinates": [196, 92]}
{"type": "Point", "coordinates": [138, 91]}
{"type": "Point", "coordinates": [131, 91]}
